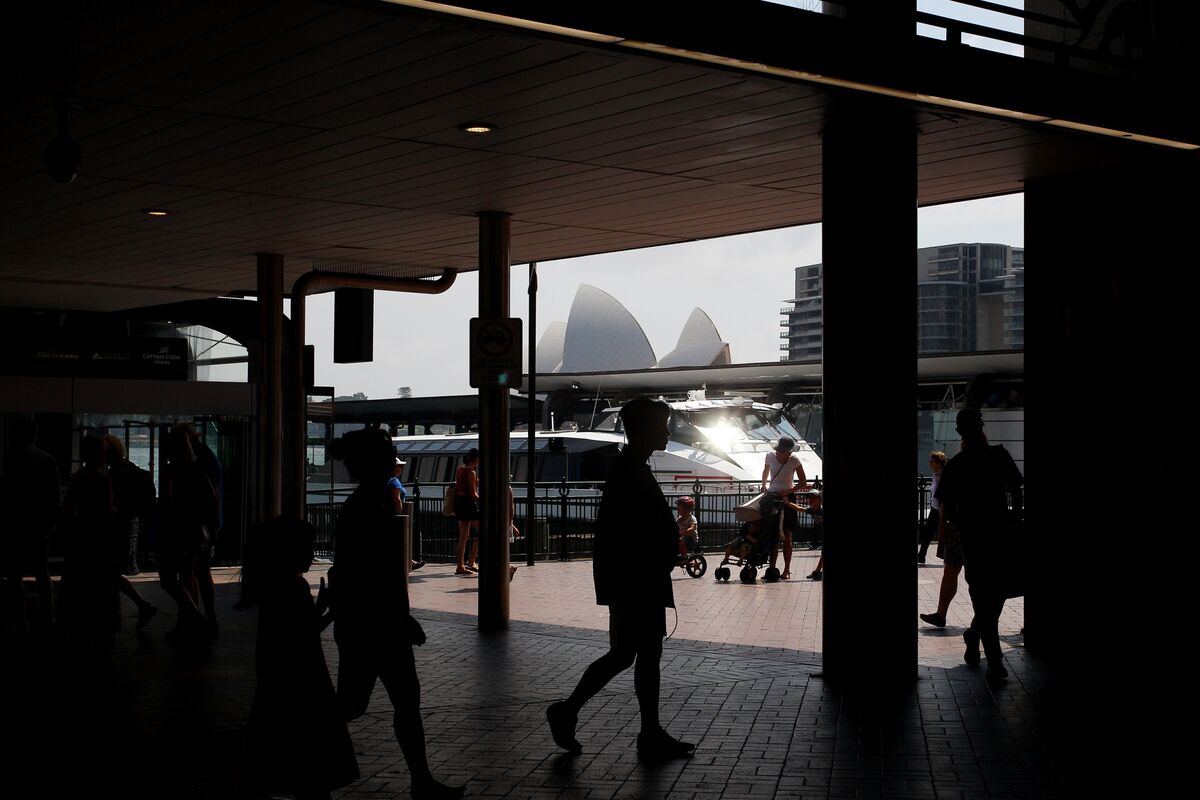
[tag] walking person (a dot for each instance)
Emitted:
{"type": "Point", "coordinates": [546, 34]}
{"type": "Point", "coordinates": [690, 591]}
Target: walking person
{"type": "Point", "coordinates": [190, 513]}
{"type": "Point", "coordinates": [133, 500]}
{"type": "Point", "coordinates": [373, 627]}
{"type": "Point", "coordinates": [31, 494]}
{"type": "Point", "coordinates": [466, 507]}
{"type": "Point", "coordinates": [91, 569]}
{"type": "Point", "coordinates": [937, 460]}
{"type": "Point", "coordinates": [296, 739]}
{"type": "Point", "coordinates": [201, 579]}
{"type": "Point", "coordinates": [974, 492]}
{"type": "Point", "coordinates": [633, 518]}
{"type": "Point", "coordinates": [399, 497]}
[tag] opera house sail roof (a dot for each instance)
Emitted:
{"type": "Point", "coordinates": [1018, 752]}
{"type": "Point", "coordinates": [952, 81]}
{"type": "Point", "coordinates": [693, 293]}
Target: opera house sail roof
{"type": "Point", "coordinates": [601, 335]}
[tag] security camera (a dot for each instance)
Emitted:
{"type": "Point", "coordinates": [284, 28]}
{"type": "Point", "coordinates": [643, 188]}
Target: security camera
{"type": "Point", "coordinates": [63, 158]}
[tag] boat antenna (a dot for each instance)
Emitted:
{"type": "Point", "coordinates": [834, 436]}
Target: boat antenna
{"type": "Point", "coordinates": [592, 421]}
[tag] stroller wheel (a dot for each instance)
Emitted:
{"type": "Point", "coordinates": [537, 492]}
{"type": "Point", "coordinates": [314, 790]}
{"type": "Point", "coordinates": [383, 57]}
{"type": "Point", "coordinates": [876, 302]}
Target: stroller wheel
{"type": "Point", "coordinates": [771, 575]}
{"type": "Point", "coordinates": [696, 565]}
{"type": "Point", "coordinates": [748, 574]}
{"type": "Point", "coordinates": [721, 573]}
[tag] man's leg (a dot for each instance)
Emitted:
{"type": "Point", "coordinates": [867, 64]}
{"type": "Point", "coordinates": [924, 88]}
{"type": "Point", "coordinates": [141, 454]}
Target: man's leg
{"type": "Point", "coordinates": [927, 533]}
{"type": "Point", "coordinates": [988, 603]}
{"type": "Point", "coordinates": [647, 678]}
{"type": "Point", "coordinates": [653, 743]}
{"type": "Point", "coordinates": [622, 650]}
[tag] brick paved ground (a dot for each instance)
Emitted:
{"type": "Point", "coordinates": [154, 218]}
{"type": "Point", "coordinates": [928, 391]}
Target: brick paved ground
{"type": "Point", "coordinates": [741, 678]}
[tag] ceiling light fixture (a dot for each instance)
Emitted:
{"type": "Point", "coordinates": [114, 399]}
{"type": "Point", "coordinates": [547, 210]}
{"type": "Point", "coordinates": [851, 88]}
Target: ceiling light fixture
{"type": "Point", "coordinates": [477, 128]}
{"type": "Point", "coordinates": [156, 212]}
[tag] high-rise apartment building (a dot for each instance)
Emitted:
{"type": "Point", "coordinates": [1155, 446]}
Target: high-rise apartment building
{"type": "Point", "coordinates": [970, 297]}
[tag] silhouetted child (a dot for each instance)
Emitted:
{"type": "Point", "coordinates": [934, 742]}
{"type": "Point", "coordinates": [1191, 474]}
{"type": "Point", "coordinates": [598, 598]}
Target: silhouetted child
{"type": "Point", "coordinates": [688, 529]}
{"type": "Point", "coordinates": [744, 544]}
{"type": "Point", "coordinates": [296, 739]}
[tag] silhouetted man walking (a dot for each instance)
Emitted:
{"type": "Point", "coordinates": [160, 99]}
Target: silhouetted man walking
{"type": "Point", "coordinates": [634, 518]}
{"type": "Point", "coordinates": [973, 492]}
{"type": "Point", "coordinates": [31, 500]}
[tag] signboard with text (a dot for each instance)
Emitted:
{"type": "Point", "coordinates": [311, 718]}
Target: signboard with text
{"type": "Point", "coordinates": [130, 357]}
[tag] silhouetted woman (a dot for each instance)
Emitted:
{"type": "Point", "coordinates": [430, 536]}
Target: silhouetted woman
{"type": "Point", "coordinates": [373, 628]}
{"type": "Point", "coordinates": [191, 512]}
{"type": "Point", "coordinates": [296, 740]}
{"type": "Point", "coordinates": [90, 586]}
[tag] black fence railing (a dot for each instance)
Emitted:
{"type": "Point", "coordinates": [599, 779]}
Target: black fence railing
{"type": "Point", "coordinates": [564, 519]}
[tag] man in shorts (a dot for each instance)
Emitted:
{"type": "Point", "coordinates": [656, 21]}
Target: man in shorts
{"type": "Point", "coordinates": [633, 518]}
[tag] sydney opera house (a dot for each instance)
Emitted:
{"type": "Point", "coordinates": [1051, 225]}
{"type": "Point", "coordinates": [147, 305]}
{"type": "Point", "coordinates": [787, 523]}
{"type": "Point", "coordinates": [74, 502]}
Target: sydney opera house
{"type": "Point", "coordinates": [600, 335]}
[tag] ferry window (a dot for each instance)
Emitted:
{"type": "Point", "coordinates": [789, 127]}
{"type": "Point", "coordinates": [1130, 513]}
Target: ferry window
{"type": "Point", "coordinates": [786, 427]}
{"type": "Point", "coordinates": [553, 467]}
{"type": "Point", "coordinates": [521, 468]}
{"type": "Point", "coordinates": [406, 474]}
{"type": "Point", "coordinates": [443, 468]}
{"type": "Point", "coordinates": [683, 431]}
{"type": "Point", "coordinates": [609, 423]}
{"type": "Point", "coordinates": [425, 469]}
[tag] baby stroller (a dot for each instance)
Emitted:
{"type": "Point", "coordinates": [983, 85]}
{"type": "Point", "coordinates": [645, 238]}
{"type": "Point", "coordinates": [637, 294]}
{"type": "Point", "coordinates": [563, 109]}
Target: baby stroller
{"type": "Point", "coordinates": [765, 531]}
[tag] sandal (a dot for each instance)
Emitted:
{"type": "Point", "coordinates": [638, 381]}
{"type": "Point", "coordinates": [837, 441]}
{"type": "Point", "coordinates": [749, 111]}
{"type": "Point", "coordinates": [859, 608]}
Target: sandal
{"type": "Point", "coordinates": [462, 571]}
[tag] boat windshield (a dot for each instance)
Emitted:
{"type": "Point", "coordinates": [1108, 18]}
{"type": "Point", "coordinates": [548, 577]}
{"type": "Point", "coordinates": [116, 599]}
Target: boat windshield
{"type": "Point", "coordinates": [729, 428]}
{"type": "Point", "coordinates": [609, 423]}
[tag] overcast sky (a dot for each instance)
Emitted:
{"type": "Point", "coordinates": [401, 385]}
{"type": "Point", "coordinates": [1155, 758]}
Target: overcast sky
{"type": "Point", "coordinates": [741, 281]}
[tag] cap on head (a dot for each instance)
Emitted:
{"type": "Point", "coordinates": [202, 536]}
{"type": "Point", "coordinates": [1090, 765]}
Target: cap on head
{"type": "Point", "coordinates": [686, 501]}
{"type": "Point", "coordinates": [786, 444]}
{"type": "Point", "coordinates": [400, 463]}
{"type": "Point", "coordinates": [969, 420]}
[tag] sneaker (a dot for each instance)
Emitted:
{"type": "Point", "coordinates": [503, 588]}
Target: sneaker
{"type": "Point", "coordinates": [996, 675]}
{"type": "Point", "coordinates": [814, 575]}
{"type": "Point", "coordinates": [971, 656]}
{"type": "Point", "coordinates": [936, 620]}
{"type": "Point", "coordinates": [145, 614]}
{"type": "Point", "coordinates": [662, 746]}
{"type": "Point", "coordinates": [416, 565]}
{"type": "Point", "coordinates": [562, 727]}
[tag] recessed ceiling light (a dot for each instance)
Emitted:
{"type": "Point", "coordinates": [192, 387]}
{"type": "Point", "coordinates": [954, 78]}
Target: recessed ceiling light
{"type": "Point", "coordinates": [477, 128]}
{"type": "Point", "coordinates": [156, 212]}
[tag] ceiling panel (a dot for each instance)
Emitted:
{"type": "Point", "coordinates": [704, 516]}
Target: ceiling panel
{"type": "Point", "coordinates": [331, 131]}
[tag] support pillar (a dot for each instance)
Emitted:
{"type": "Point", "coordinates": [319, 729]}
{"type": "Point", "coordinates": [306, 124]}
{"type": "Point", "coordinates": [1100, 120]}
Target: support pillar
{"type": "Point", "coordinates": [494, 285]}
{"type": "Point", "coordinates": [870, 366]}
{"type": "Point", "coordinates": [270, 385]}
{"type": "Point", "coordinates": [1110, 331]}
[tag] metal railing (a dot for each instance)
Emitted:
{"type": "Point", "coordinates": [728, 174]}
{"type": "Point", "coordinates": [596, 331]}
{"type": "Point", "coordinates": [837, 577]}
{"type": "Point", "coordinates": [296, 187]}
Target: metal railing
{"type": "Point", "coordinates": [565, 518]}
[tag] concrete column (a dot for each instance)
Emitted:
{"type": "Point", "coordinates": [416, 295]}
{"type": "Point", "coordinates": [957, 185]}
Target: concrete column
{"type": "Point", "coordinates": [494, 285]}
{"type": "Point", "coordinates": [270, 384]}
{"type": "Point", "coordinates": [869, 295]}
{"type": "Point", "coordinates": [1111, 475]}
